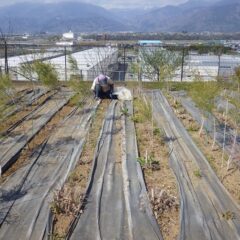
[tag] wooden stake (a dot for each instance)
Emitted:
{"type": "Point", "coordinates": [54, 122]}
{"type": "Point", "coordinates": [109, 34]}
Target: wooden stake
{"type": "Point", "coordinates": [153, 194]}
{"type": "Point", "coordinates": [224, 135]}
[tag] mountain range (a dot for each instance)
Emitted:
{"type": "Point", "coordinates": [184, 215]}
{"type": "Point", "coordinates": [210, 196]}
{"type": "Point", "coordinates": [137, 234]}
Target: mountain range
{"type": "Point", "coordinates": [192, 16]}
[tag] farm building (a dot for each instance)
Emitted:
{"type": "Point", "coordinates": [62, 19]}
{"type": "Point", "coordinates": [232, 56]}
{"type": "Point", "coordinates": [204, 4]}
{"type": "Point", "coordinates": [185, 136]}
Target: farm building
{"type": "Point", "coordinates": [150, 43]}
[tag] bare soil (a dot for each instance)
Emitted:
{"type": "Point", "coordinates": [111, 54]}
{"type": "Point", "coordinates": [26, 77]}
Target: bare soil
{"type": "Point", "coordinates": [72, 194]}
{"type": "Point", "coordinates": [230, 178]}
{"type": "Point", "coordinates": [160, 180]}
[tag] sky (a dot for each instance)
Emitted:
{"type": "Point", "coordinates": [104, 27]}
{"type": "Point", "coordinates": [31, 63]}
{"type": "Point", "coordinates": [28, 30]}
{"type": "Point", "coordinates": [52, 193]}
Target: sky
{"type": "Point", "coordinates": [110, 3]}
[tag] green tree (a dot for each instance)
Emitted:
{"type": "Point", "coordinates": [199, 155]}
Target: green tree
{"type": "Point", "coordinates": [74, 69]}
{"type": "Point", "coordinates": [203, 94]}
{"type": "Point", "coordinates": [46, 74]}
{"type": "Point", "coordinates": [237, 77]}
{"type": "Point", "coordinates": [7, 92]}
{"type": "Point", "coordinates": [135, 68]}
{"type": "Point", "coordinates": [159, 64]}
{"type": "Point", "coordinates": [5, 88]}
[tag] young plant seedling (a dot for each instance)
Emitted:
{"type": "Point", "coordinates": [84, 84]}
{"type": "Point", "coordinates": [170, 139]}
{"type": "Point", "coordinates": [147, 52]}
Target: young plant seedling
{"type": "Point", "coordinates": [197, 173]}
{"type": "Point", "coordinates": [124, 111]}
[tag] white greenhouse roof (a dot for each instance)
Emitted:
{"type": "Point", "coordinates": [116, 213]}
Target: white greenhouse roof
{"type": "Point", "coordinates": [17, 60]}
{"type": "Point", "coordinates": [86, 59]}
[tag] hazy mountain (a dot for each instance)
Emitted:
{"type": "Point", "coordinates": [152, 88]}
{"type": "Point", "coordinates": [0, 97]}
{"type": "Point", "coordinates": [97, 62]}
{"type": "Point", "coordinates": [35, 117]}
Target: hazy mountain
{"type": "Point", "coordinates": [129, 16]}
{"type": "Point", "coordinates": [192, 16]}
{"type": "Point", "coordinates": [36, 17]}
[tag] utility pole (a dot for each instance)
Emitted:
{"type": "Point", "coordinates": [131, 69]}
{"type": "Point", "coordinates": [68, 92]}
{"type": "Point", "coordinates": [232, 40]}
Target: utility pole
{"type": "Point", "coordinates": [65, 58]}
{"type": "Point", "coordinates": [219, 64]}
{"type": "Point", "coordinates": [124, 61]}
{"type": "Point", "coordinates": [183, 56]}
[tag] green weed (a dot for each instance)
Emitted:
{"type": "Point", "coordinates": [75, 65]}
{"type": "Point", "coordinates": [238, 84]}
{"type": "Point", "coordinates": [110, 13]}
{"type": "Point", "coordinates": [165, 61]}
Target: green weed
{"type": "Point", "coordinates": [193, 127]}
{"type": "Point", "coordinates": [124, 111]}
{"type": "Point", "coordinates": [197, 173]}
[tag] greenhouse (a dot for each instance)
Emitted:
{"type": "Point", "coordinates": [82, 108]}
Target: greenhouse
{"type": "Point", "coordinates": [89, 63]}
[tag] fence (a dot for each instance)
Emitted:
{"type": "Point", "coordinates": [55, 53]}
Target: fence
{"type": "Point", "coordinates": [122, 63]}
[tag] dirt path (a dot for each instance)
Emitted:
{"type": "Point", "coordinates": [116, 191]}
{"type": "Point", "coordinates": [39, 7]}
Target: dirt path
{"type": "Point", "coordinates": [13, 143]}
{"type": "Point", "coordinates": [117, 204]}
{"type": "Point", "coordinates": [207, 209]}
{"type": "Point", "coordinates": [26, 195]}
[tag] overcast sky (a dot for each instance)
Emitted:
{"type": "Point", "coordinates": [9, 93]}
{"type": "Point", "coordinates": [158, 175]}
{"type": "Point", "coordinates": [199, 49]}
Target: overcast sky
{"type": "Point", "coordinates": [110, 3]}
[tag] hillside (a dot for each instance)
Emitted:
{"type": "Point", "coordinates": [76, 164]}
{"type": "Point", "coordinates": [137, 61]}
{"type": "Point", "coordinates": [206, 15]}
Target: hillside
{"type": "Point", "coordinates": [192, 16]}
{"type": "Point", "coordinates": [36, 17]}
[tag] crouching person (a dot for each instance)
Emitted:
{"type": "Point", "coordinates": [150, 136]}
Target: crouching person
{"type": "Point", "coordinates": [102, 87]}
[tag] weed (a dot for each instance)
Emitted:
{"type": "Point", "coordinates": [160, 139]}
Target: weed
{"type": "Point", "coordinates": [211, 159]}
{"type": "Point", "coordinates": [193, 127]}
{"type": "Point", "coordinates": [75, 177]}
{"type": "Point", "coordinates": [141, 161]}
{"type": "Point", "coordinates": [176, 104]}
{"type": "Point", "coordinates": [149, 163]}
{"type": "Point", "coordinates": [136, 119]}
{"type": "Point", "coordinates": [197, 173]}
{"type": "Point", "coordinates": [157, 132]}
{"type": "Point", "coordinates": [64, 202]}
{"type": "Point", "coordinates": [143, 110]}
{"type": "Point", "coordinates": [228, 215]}
{"type": "Point", "coordinates": [124, 111]}
{"type": "Point", "coordinates": [55, 208]}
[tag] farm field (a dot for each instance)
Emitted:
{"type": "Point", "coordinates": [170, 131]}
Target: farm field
{"type": "Point", "coordinates": [75, 168]}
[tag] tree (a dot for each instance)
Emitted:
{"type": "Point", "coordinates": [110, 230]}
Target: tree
{"type": "Point", "coordinates": [74, 68]}
{"type": "Point", "coordinates": [5, 88]}
{"type": "Point", "coordinates": [159, 64]}
{"type": "Point", "coordinates": [135, 68]}
{"type": "Point", "coordinates": [203, 94]}
{"type": "Point", "coordinates": [237, 77]}
{"type": "Point", "coordinates": [4, 41]}
{"type": "Point", "coordinates": [7, 93]}
{"type": "Point", "coordinates": [46, 74]}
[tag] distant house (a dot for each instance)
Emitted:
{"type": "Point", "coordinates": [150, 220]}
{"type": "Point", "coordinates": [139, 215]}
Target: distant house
{"type": "Point", "coordinates": [68, 39]}
{"type": "Point", "coordinates": [150, 43]}
{"type": "Point", "coordinates": [68, 36]}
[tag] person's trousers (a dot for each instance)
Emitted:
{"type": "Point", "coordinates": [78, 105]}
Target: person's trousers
{"type": "Point", "coordinates": [100, 94]}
